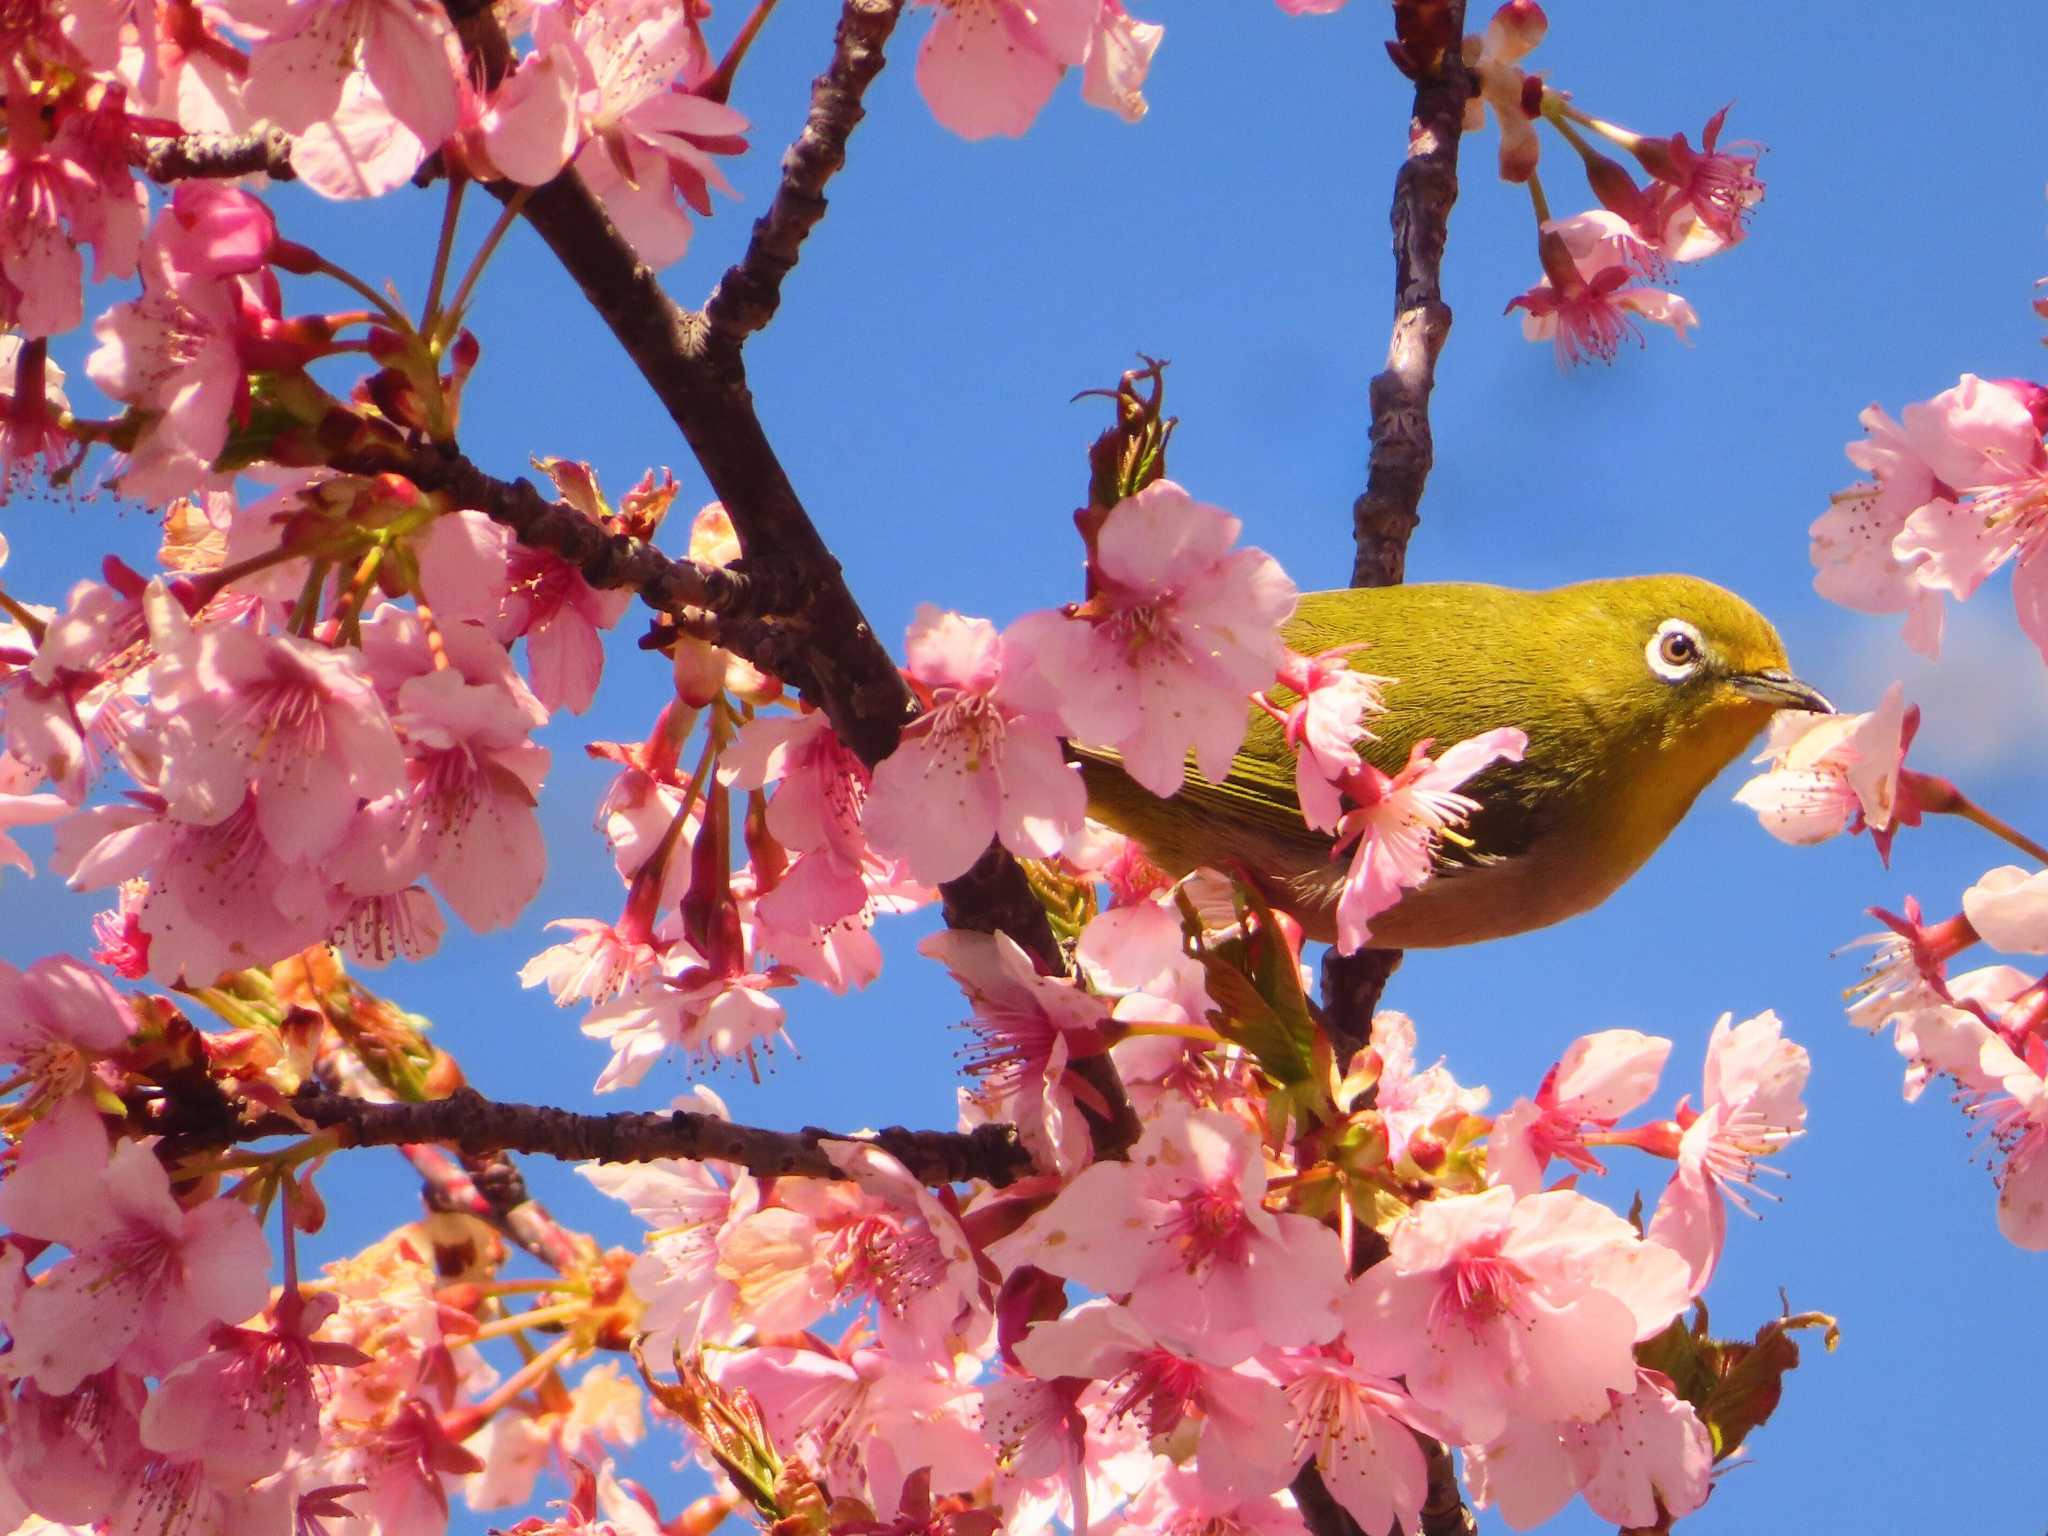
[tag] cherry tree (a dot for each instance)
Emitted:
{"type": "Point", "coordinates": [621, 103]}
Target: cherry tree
{"type": "Point", "coordinates": [1195, 1248]}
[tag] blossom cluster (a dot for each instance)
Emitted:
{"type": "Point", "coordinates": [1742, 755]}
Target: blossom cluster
{"type": "Point", "coordinates": [1954, 492]}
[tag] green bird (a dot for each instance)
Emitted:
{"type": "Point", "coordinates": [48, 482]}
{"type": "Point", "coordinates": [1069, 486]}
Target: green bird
{"type": "Point", "coordinates": [1634, 694]}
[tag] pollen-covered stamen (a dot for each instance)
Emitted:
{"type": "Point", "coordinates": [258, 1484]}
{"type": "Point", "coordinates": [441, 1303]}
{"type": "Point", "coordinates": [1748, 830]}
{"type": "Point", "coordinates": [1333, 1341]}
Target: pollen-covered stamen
{"type": "Point", "coordinates": [1733, 1157]}
{"type": "Point", "coordinates": [1210, 1226]}
{"type": "Point", "coordinates": [1158, 1387]}
{"type": "Point", "coordinates": [968, 726]}
{"type": "Point", "coordinates": [896, 1260]}
{"type": "Point", "coordinates": [1010, 1046]}
{"type": "Point", "coordinates": [1478, 1288]}
{"type": "Point", "coordinates": [1148, 630]}
{"type": "Point", "coordinates": [281, 714]}
{"type": "Point", "coordinates": [2017, 508]}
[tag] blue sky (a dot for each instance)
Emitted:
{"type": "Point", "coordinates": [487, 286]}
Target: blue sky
{"type": "Point", "coordinates": [917, 385]}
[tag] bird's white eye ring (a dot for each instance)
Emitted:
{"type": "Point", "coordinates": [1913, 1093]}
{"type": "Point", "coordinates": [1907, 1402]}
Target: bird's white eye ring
{"type": "Point", "coordinates": [1675, 651]}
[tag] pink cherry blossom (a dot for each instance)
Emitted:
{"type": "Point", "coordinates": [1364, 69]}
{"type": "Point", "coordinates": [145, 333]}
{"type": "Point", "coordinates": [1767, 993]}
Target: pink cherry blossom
{"type": "Point", "coordinates": [56, 1019]}
{"type": "Point", "coordinates": [361, 148]}
{"type": "Point", "coordinates": [595, 965]}
{"type": "Point", "coordinates": [297, 723]}
{"type": "Point", "coordinates": [1853, 542]}
{"type": "Point", "coordinates": [1360, 1430]}
{"type": "Point", "coordinates": [216, 231]}
{"type": "Point", "coordinates": [969, 769]}
{"type": "Point", "coordinates": [691, 1207]}
{"type": "Point", "coordinates": [1647, 1460]}
{"type": "Point", "coordinates": [988, 66]}
{"type": "Point", "coordinates": [144, 1277]}
{"type": "Point", "coordinates": [1495, 1309]}
{"type": "Point", "coordinates": [1120, 50]}
{"type": "Point", "coordinates": [1835, 773]}
{"type": "Point", "coordinates": [1586, 308]}
{"type": "Point", "coordinates": [1246, 1443]}
{"type": "Point", "coordinates": [306, 51]}
{"type": "Point", "coordinates": [72, 1454]}
{"type": "Point", "coordinates": [1982, 441]}
{"type": "Point", "coordinates": [2008, 1090]}
{"type": "Point", "coordinates": [685, 1006]}
{"type": "Point", "coordinates": [1704, 195]}
{"type": "Point", "coordinates": [1182, 1228]}
{"type": "Point", "coordinates": [647, 138]}
{"type": "Point", "coordinates": [912, 1255]}
{"type": "Point", "coordinates": [1749, 1109]}
{"type": "Point", "coordinates": [1397, 820]}
{"type": "Point", "coordinates": [1324, 725]}
{"type": "Point", "coordinates": [816, 812]}
{"type": "Point", "coordinates": [1412, 1102]}
{"type": "Point", "coordinates": [1029, 1027]}
{"type": "Point", "coordinates": [547, 600]}
{"type": "Point", "coordinates": [865, 1419]}
{"type": "Point", "coordinates": [1177, 1500]}
{"type": "Point", "coordinates": [1182, 628]}
{"type": "Point", "coordinates": [1600, 1078]}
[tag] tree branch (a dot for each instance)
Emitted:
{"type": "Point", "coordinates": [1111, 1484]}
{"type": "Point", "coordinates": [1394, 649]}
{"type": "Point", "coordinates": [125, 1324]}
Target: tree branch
{"type": "Point", "coordinates": [475, 1125]}
{"type": "Point", "coordinates": [490, 1188]}
{"type": "Point", "coordinates": [746, 297]}
{"type": "Point", "coordinates": [265, 151]}
{"type": "Point", "coordinates": [1402, 451]}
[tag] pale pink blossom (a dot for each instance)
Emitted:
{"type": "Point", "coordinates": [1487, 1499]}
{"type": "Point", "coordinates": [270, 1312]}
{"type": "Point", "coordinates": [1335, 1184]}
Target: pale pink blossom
{"type": "Point", "coordinates": [1703, 196]}
{"type": "Point", "coordinates": [2008, 907]}
{"type": "Point", "coordinates": [1120, 50]}
{"type": "Point", "coordinates": [212, 230]}
{"type": "Point", "coordinates": [1246, 1443]}
{"type": "Point", "coordinates": [689, 1007]}
{"type": "Point", "coordinates": [647, 138]}
{"type": "Point", "coordinates": [1600, 1078]}
{"type": "Point", "coordinates": [1324, 726]}
{"type": "Point", "coordinates": [1178, 1500]}
{"type": "Point", "coordinates": [43, 189]}
{"type": "Point", "coordinates": [1028, 1028]}
{"type": "Point", "coordinates": [144, 1278]}
{"type": "Point", "coordinates": [1182, 1228]}
{"type": "Point", "coordinates": [912, 1255]}
{"type": "Point", "coordinates": [361, 149]}
{"type": "Point", "coordinates": [1360, 1430]}
{"type": "Point", "coordinates": [816, 812]}
{"type": "Point", "coordinates": [691, 1207]}
{"type": "Point", "coordinates": [56, 1019]}
{"type": "Point", "coordinates": [1750, 1109]}
{"type": "Point", "coordinates": [306, 51]}
{"type": "Point", "coordinates": [527, 130]}
{"type": "Point", "coordinates": [595, 965]}
{"type": "Point", "coordinates": [865, 1420]}
{"type": "Point", "coordinates": [1589, 315]}
{"type": "Point", "coordinates": [969, 769]}
{"type": "Point", "coordinates": [1397, 821]}
{"type": "Point", "coordinates": [1853, 542]}
{"type": "Point", "coordinates": [2008, 1090]}
{"type": "Point", "coordinates": [297, 724]}
{"type": "Point", "coordinates": [1413, 1101]}
{"type": "Point", "coordinates": [1646, 1460]}
{"type": "Point", "coordinates": [1495, 1309]}
{"type": "Point", "coordinates": [1982, 442]}
{"type": "Point", "coordinates": [547, 600]}
{"type": "Point", "coordinates": [1181, 630]}
{"type": "Point", "coordinates": [71, 1455]}
{"type": "Point", "coordinates": [988, 66]}
{"type": "Point", "coordinates": [1834, 773]}
{"type": "Point", "coordinates": [26, 811]}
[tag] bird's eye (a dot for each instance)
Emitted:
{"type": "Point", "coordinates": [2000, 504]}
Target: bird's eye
{"type": "Point", "coordinates": [1675, 651]}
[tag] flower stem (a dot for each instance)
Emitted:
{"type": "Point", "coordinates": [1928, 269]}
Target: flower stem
{"type": "Point", "coordinates": [1969, 810]}
{"type": "Point", "coordinates": [535, 1317]}
{"type": "Point", "coordinates": [23, 616]}
{"type": "Point", "coordinates": [399, 320]}
{"type": "Point", "coordinates": [718, 86]}
{"type": "Point", "coordinates": [451, 214]}
{"type": "Point", "coordinates": [452, 317]}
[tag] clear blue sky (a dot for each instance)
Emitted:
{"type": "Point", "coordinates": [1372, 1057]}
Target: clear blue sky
{"type": "Point", "coordinates": [916, 385]}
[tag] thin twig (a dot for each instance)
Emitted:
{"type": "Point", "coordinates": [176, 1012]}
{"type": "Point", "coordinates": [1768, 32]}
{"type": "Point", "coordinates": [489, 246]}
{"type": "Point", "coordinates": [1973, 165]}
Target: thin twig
{"type": "Point", "coordinates": [473, 1124]}
{"type": "Point", "coordinates": [746, 297]}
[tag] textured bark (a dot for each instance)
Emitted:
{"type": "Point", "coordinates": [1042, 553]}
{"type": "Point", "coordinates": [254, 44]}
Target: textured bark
{"type": "Point", "coordinates": [189, 156]}
{"type": "Point", "coordinates": [480, 1127]}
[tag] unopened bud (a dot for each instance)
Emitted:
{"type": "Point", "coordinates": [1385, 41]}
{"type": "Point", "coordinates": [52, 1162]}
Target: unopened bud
{"type": "Point", "coordinates": [1615, 188]}
{"type": "Point", "coordinates": [1426, 1152]}
{"type": "Point", "coordinates": [1516, 29]}
{"type": "Point", "coordinates": [1558, 266]}
{"type": "Point", "coordinates": [1656, 157]}
{"type": "Point", "coordinates": [700, 671]}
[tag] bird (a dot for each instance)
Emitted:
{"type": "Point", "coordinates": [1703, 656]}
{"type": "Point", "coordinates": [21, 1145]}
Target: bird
{"type": "Point", "coordinates": [1634, 692]}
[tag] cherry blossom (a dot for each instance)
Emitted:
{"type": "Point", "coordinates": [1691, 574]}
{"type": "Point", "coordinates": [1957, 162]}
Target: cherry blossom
{"type": "Point", "coordinates": [1182, 1229]}
{"type": "Point", "coordinates": [1397, 819]}
{"type": "Point", "coordinates": [969, 769]}
{"type": "Point", "coordinates": [2008, 1090]}
{"type": "Point", "coordinates": [1120, 50]}
{"type": "Point", "coordinates": [1495, 59]}
{"type": "Point", "coordinates": [691, 1207]}
{"type": "Point", "coordinates": [1585, 305]}
{"type": "Point", "coordinates": [1854, 552]}
{"type": "Point", "coordinates": [2008, 907]}
{"type": "Point", "coordinates": [1835, 773]}
{"type": "Point", "coordinates": [1749, 1109]}
{"type": "Point", "coordinates": [143, 1278]}
{"type": "Point", "coordinates": [1161, 660]}
{"type": "Point", "coordinates": [1494, 1308]}
{"type": "Point", "coordinates": [988, 66]}
{"type": "Point", "coordinates": [1704, 195]}
{"type": "Point", "coordinates": [32, 401]}
{"type": "Point", "coordinates": [56, 1018]}
{"type": "Point", "coordinates": [1324, 725]}
{"type": "Point", "coordinates": [1600, 1078]}
{"type": "Point", "coordinates": [306, 51]}
{"type": "Point", "coordinates": [1360, 1430]}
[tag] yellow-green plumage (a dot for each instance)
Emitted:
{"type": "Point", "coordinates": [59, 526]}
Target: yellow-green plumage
{"type": "Point", "coordinates": [1617, 750]}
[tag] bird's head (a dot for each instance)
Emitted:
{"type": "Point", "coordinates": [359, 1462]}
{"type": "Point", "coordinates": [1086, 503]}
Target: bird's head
{"type": "Point", "coordinates": [1690, 663]}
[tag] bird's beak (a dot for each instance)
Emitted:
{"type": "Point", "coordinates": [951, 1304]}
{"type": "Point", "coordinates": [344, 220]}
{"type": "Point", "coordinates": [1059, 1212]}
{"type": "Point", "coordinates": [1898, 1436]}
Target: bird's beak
{"type": "Point", "coordinates": [1781, 690]}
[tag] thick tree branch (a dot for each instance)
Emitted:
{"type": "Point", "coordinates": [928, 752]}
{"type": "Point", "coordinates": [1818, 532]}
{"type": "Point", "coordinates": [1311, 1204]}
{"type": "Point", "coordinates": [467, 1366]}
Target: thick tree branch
{"type": "Point", "coordinates": [1402, 450]}
{"type": "Point", "coordinates": [187, 156]}
{"type": "Point", "coordinates": [475, 1125]}
{"type": "Point", "coordinates": [746, 297]}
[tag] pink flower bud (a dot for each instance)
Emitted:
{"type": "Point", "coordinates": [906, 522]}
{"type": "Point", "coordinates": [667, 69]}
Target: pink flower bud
{"type": "Point", "coordinates": [217, 231]}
